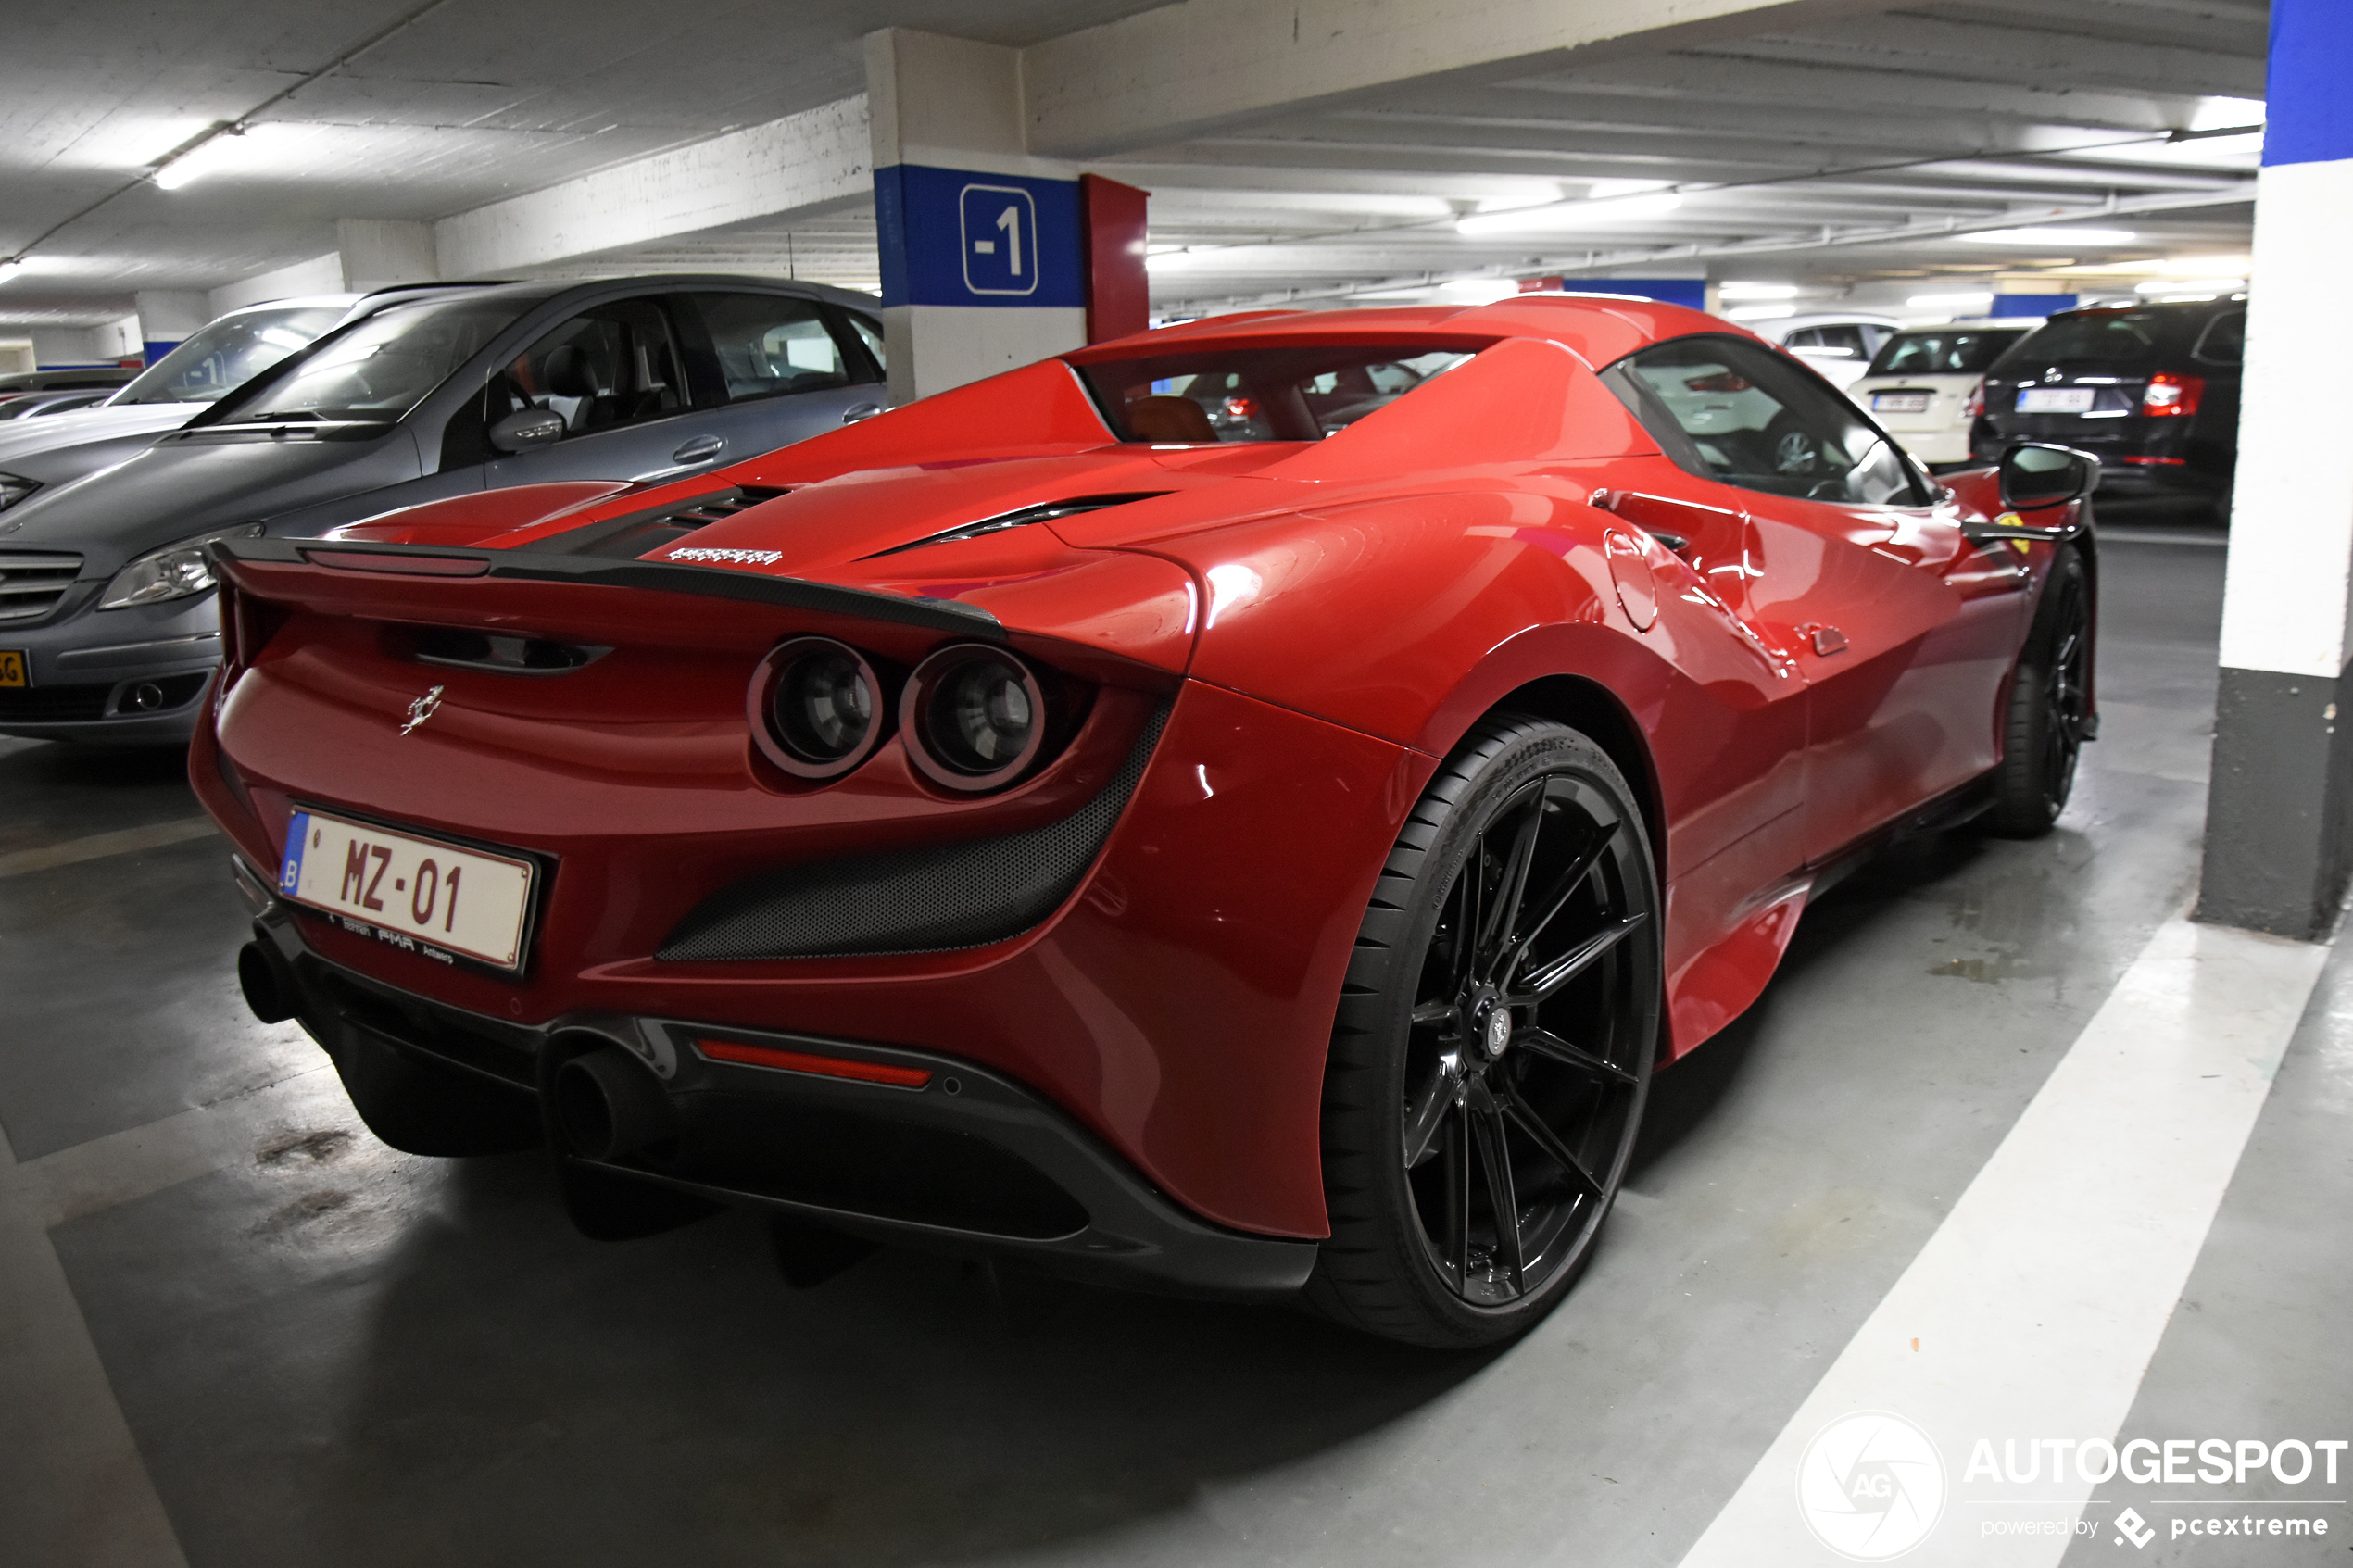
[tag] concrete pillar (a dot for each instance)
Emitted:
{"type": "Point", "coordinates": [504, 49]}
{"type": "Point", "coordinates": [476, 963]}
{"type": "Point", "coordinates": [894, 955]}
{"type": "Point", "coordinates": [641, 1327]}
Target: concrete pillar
{"type": "Point", "coordinates": [990, 258]}
{"type": "Point", "coordinates": [2279, 827]}
{"type": "Point", "coordinates": [167, 317]}
{"type": "Point", "coordinates": [378, 253]}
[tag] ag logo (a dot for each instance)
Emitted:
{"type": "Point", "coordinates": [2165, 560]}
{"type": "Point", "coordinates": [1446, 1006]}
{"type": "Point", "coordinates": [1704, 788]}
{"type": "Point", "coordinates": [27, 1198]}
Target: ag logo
{"type": "Point", "coordinates": [421, 709]}
{"type": "Point", "coordinates": [1870, 1486]}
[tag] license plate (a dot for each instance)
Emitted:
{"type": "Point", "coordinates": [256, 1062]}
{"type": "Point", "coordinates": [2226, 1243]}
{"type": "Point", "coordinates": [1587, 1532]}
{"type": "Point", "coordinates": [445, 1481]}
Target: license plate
{"type": "Point", "coordinates": [1899, 402]}
{"type": "Point", "coordinates": [2055, 399]}
{"type": "Point", "coordinates": [12, 669]}
{"type": "Point", "coordinates": [415, 892]}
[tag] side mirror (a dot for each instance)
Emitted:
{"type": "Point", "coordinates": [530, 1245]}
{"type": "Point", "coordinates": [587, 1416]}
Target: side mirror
{"type": "Point", "coordinates": [2035, 474]}
{"type": "Point", "coordinates": [526, 428]}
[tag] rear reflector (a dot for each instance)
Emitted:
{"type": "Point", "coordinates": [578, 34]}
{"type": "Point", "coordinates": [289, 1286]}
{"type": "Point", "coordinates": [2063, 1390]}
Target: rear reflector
{"type": "Point", "coordinates": [823, 1066]}
{"type": "Point", "coordinates": [2156, 462]}
{"type": "Point", "coordinates": [406, 565]}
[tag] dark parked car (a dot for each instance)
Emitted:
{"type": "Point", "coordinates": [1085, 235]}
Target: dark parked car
{"type": "Point", "coordinates": [109, 625]}
{"type": "Point", "coordinates": [2152, 390]}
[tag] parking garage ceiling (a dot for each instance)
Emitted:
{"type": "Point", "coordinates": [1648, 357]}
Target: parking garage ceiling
{"type": "Point", "coordinates": [1870, 147]}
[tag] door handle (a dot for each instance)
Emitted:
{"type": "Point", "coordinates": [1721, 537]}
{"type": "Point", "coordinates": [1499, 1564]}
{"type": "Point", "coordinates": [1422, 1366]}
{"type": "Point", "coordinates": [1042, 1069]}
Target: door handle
{"type": "Point", "coordinates": [857, 411]}
{"type": "Point", "coordinates": [698, 449]}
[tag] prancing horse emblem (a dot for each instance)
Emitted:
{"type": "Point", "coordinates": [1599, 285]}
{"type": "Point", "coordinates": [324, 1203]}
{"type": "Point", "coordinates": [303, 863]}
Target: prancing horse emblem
{"type": "Point", "coordinates": [421, 709]}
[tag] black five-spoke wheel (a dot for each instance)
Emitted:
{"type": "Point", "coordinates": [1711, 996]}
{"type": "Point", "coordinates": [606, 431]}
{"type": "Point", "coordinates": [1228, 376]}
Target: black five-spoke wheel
{"type": "Point", "coordinates": [1493, 1050]}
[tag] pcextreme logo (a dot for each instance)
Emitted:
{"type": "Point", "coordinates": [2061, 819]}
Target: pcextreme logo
{"type": "Point", "coordinates": [1870, 1486]}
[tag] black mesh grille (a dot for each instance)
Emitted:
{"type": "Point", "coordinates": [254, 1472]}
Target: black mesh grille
{"type": "Point", "coordinates": [53, 705]}
{"type": "Point", "coordinates": [917, 900]}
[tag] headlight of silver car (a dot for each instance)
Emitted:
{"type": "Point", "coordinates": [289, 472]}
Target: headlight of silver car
{"type": "Point", "coordinates": [176, 571]}
{"type": "Point", "coordinates": [13, 489]}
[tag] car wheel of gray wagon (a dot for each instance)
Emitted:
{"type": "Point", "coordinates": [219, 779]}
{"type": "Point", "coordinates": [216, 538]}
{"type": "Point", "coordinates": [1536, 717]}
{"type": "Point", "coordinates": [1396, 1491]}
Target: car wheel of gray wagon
{"type": "Point", "coordinates": [1492, 1048]}
{"type": "Point", "coordinates": [421, 1108]}
{"type": "Point", "coordinates": [2049, 708]}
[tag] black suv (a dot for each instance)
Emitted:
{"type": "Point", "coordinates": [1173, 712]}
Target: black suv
{"type": "Point", "coordinates": [2153, 390]}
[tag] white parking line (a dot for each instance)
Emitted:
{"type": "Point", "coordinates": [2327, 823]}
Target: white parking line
{"type": "Point", "coordinates": [2034, 1309]}
{"type": "Point", "coordinates": [98, 846]}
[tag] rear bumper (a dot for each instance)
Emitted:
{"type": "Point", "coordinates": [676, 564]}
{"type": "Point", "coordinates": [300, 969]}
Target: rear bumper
{"type": "Point", "coordinates": [971, 1163]}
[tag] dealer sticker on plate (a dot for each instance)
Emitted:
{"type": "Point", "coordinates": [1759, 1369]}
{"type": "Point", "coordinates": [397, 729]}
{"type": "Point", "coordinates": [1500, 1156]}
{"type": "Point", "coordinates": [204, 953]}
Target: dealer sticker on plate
{"type": "Point", "coordinates": [414, 892]}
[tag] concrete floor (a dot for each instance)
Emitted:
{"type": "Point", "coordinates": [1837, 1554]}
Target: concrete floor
{"type": "Point", "coordinates": [321, 1352]}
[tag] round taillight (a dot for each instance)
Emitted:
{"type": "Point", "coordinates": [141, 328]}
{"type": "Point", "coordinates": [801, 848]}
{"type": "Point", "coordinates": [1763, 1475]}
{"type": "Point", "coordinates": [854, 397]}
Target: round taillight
{"type": "Point", "coordinates": [974, 716]}
{"type": "Point", "coordinates": [816, 707]}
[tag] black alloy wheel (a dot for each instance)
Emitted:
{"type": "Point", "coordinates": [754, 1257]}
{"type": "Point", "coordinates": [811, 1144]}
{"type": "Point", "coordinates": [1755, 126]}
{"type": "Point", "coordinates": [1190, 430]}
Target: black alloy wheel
{"type": "Point", "coordinates": [2050, 708]}
{"type": "Point", "coordinates": [1493, 1045]}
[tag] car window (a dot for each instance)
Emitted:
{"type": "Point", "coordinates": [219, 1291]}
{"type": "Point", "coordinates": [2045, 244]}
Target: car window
{"type": "Point", "coordinates": [1258, 394]}
{"type": "Point", "coordinates": [223, 356]}
{"type": "Point", "coordinates": [771, 345]}
{"type": "Point", "coordinates": [1942, 351]}
{"type": "Point", "coordinates": [2224, 340]}
{"type": "Point", "coordinates": [1747, 417]}
{"type": "Point", "coordinates": [1830, 343]}
{"type": "Point", "coordinates": [2108, 337]}
{"type": "Point", "coordinates": [379, 368]}
{"type": "Point", "coordinates": [613, 366]}
{"type": "Point", "coordinates": [869, 332]}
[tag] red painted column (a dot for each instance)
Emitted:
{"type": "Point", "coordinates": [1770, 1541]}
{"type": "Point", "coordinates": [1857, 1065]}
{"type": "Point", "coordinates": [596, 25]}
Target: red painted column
{"type": "Point", "coordinates": [1118, 296]}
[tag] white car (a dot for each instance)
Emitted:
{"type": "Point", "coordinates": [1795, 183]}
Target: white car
{"type": "Point", "coordinates": [1926, 385]}
{"type": "Point", "coordinates": [40, 454]}
{"type": "Point", "coordinates": [1838, 346]}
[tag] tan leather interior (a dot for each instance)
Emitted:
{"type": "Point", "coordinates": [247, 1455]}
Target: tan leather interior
{"type": "Point", "coordinates": [1168, 418]}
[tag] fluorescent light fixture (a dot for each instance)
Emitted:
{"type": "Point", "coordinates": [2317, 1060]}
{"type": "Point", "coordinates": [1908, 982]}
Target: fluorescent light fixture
{"type": "Point", "coordinates": [1481, 291]}
{"type": "Point", "coordinates": [1567, 215]}
{"type": "Point", "coordinates": [2191, 285]}
{"type": "Point", "coordinates": [1755, 291]}
{"type": "Point", "coordinates": [1761, 312]}
{"type": "Point", "coordinates": [9, 269]}
{"type": "Point", "coordinates": [2050, 237]}
{"type": "Point", "coordinates": [1950, 301]}
{"type": "Point", "coordinates": [229, 147]}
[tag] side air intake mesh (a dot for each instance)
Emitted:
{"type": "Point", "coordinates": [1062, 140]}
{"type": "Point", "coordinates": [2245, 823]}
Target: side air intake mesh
{"type": "Point", "coordinates": [916, 900]}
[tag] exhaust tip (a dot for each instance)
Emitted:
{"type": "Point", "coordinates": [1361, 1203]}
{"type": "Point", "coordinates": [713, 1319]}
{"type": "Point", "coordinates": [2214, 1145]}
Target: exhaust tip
{"type": "Point", "coordinates": [608, 1106]}
{"type": "Point", "coordinates": [268, 993]}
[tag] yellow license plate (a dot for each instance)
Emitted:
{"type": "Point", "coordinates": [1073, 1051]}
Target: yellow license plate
{"type": "Point", "coordinates": [12, 671]}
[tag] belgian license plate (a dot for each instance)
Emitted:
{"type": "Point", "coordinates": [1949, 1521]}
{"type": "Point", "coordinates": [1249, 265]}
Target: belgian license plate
{"type": "Point", "coordinates": [2055, 399]}
{"type": "Point", "coordinates": [1899, 402]}
{"type": "Point", "coordinates": [12, 669]}
{"type": "Point", "coordinates": [415, 891]}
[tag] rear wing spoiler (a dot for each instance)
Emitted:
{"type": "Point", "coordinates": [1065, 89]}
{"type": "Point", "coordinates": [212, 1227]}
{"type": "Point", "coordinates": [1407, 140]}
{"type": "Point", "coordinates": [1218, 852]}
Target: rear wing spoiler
{"type": "Point", "coordinates": [361, 577]}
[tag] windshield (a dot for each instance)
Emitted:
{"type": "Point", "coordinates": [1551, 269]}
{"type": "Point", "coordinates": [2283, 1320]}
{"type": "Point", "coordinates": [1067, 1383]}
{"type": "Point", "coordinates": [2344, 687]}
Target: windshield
{"type": "Point", "coordinates": [379, 368]}
{"type": "Point", "coordinates": [1943, 352]}
{"type": "Point", "coordinates": [229, 352]}
{"type": "Point", "coordinates": [1259, 394]}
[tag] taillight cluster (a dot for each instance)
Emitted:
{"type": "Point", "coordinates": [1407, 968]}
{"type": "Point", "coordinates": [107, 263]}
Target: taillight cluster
{"type": "Point", "coordinates": [1973, 406]}
{"type": "Point", "coordinates": [972, 716]}
{"type": "Point", "coordinates": [2170, 394]}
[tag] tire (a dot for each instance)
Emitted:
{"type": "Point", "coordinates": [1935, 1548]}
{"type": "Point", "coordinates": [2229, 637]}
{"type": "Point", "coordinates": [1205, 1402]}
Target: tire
{"type": "Point", "coordinates": [1438, 1119]}
{"type": "Point", "coordinates": [2050, 707]}
{"type": "Point", "coordinates": [418, 1107]}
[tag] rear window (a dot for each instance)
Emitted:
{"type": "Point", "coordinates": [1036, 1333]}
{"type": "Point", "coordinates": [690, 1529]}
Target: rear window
{"type": "Point", "coordinates": [1944, 351]}
{"type": "Point", "coordinates": [1259, 394]}
{"type": "Point", "coordinates": [2106, 337]}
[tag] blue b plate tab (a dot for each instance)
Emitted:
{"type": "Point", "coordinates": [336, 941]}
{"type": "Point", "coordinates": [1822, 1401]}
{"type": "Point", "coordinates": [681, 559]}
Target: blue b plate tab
{"type": "Point", "coordinates": [297, 839]}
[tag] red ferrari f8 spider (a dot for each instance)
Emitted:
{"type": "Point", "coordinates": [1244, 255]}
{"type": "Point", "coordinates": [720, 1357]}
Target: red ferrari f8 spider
{"type": "Point", "coordinates": [1241, 810]}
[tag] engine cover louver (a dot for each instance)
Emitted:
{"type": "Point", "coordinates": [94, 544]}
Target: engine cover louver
{"type": "Point", "coordinates": [1044, 512]}
{"type": "Point", "coordinates": [636, 533]}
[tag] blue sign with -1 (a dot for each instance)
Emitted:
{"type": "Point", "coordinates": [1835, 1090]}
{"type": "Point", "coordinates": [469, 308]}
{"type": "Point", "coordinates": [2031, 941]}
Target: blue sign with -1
{"type": "Point", "coordinates": [951, 237]}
